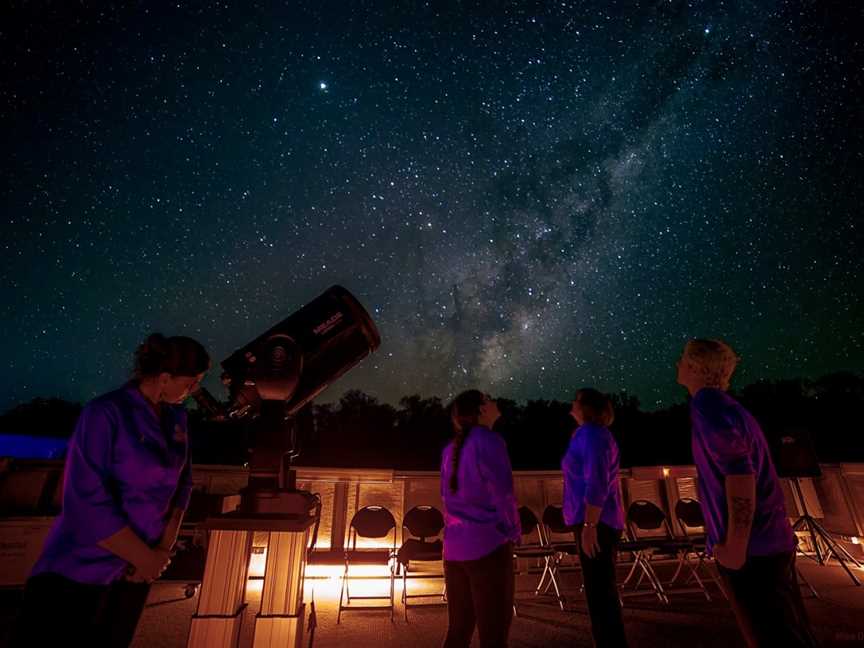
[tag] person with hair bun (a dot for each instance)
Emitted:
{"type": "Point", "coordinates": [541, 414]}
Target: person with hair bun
{"type": "Point", "coordinates": [592, 505]}
{"type": "Point", "coordinates": [481, 525]}
{"type": "Point", "coordinates": [127, 483]}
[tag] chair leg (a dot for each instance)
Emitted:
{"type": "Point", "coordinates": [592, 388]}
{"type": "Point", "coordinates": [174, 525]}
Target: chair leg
{"type": "Point", "coordinates": [695, 574]}
{"type": "Point", "coordinates": [632, 570]}
{"type": "Point", "coordinates": [653, 579]}
{"type": "Point", "coordinates": [639, 580]}
{"type": "Point", "coordinates": [560, 598]}
{"type": "Point", "coordinates": [682, 558]}
{"type": "Point", "coordinates": [405, 590]}
{"type": "Point", "coordinates": [392, 590]}
{"type": "Point", "coordinates": [542, 576]}
{"type": "Point", "coordinates": [713, 574]}
{"type": "Point", "coordinates": [342, 592]}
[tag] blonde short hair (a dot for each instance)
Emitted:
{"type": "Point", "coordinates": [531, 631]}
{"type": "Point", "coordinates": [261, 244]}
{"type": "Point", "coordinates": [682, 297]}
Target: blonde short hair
{"type": "Point", "coordinates": [714, 360]}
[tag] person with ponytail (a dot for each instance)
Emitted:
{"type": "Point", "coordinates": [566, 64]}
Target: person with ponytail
{"type": "Point", "coordinates": [481, 525]}
{"type": "Point", "coordinates": [592, 506]}
{"type": "Point", "coordinates": [126, 485]}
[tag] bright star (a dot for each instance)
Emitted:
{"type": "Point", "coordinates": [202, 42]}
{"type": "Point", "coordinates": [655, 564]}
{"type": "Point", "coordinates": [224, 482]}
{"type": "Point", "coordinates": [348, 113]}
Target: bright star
{"type": "Point", "coordinates": [322, 85]}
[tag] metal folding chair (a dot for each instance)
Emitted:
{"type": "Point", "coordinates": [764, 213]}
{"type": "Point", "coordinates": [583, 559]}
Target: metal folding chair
{"type": "Point", "coordinates": [537, 551]}
{"type": "Point", "coordinates": [688, 512]}
{"type": "Point", "coordinates": [560, 536]}
{"type": "Point", "coordinates": [424, 524]}
{"type": "Point", "coordinates": [369, 522]}
{"type": "Point", "coordinates": [649, 535]}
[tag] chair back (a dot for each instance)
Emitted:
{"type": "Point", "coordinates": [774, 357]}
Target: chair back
{"type": "Point", "coordinates": [646, 517]}
{"type": "Point", "coordinates": [373, 522]}
{"type": "Point", "coordinates": [527, 520]}
{"type": "Point", "coordinates": [423, 522]}
{"type": "Point", "coordinates": [553, 518]}
{"type": "Point", "coordinates": [689, 513]}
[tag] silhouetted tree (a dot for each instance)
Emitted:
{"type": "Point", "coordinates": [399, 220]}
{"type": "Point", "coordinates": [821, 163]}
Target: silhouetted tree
{"type": "Point", "coordinates": [360, 431]}
{"type": "Point", "coordinates": [422, 429]}
{"type": "Point", "coordinates": [51, 417]}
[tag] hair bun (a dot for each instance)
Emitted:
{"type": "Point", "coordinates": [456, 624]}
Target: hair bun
{"type": "Point", "coordinates": [151, 354]}
{"type": "Point", "coordinates": [157, 344]}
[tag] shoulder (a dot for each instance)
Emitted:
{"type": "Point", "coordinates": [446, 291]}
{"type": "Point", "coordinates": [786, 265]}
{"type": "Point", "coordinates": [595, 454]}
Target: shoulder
{"type": "Point", "coordinates": [594, 434]}
{"type": "Point", "coordinates": [107, 405]}
{"type": "Point", "coordinates": [447, 450]}
{"type": "Point", "coordinates": [486, 438]}
{"type": "Point", "coordinates": [100, 419]}
{"type": "Point", "coordinates": [715, 409]}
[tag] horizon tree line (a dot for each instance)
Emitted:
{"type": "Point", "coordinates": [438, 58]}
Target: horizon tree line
{"type": "Point", "coordinates": [360, 431]}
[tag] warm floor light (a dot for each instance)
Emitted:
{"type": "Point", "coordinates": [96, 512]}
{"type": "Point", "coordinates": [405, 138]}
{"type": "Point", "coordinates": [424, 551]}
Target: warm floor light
{"type": "Point", "coordinates": [334, 572]}
{"type": "Point", "coordinates": [665, 472]}
{"type": "Point", "coordinates": [257, 562]}
{"type": "Point", "coordinates": [855, 540]}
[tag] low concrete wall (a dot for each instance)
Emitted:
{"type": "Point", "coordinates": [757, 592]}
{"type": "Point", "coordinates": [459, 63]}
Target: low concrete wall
{"type": "Point", "coordinates": [30, 494]}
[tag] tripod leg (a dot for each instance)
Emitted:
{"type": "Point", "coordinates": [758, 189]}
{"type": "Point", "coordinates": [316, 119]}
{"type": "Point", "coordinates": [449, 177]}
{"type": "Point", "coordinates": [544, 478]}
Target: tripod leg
{"type": "Point", "coordinates": [835, 545]}
{"type": "Point", "coordinates": [831, 547]}
{"type": "Point", "coordinates": [814, 536]}
{"type": "Point", "coordinates": [804, 581]}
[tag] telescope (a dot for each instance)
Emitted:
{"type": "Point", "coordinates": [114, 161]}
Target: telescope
{"type": "Point", "coordinates": [272, 377]}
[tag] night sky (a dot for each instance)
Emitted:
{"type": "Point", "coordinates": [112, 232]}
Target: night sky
{"type": "Point", "coordinates": [527, 197]}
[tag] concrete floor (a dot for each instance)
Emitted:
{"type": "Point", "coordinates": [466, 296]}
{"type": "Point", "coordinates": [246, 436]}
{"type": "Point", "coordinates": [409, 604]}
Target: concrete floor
{"type": "Point", "coordinates": [689, 620]}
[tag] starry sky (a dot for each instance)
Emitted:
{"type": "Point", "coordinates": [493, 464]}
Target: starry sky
{"type": "Point", "coordinates": [528, 197]}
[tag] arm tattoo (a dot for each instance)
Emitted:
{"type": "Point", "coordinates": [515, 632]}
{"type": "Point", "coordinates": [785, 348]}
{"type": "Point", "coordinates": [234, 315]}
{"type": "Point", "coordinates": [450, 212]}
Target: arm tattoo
{"type": "Point", "coordinates": [742, 512]}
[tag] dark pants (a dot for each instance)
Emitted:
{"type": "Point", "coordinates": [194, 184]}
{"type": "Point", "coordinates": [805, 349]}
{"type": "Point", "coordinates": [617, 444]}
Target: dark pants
{"type": "Point", "coordinates": [480, 592]}
{"type": "Point", "coordinates": [601, 588]}
{"type": "Point", "coordinates": [62, 612]}
{"type": "Point", "coordinates": [766, 599]}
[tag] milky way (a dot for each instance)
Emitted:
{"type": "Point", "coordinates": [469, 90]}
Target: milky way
{"type": "Point", "coordinates": [527, 198]}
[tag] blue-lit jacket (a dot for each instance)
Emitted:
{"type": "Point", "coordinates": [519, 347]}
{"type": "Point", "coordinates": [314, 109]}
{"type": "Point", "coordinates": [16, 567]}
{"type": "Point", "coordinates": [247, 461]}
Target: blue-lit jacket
{"type": "Point", "coordinates": [482, 514]}
{"type": "Point", "coordinates": [124, 467]}
{"type": "Point", "coordinates": [590, 468]}
{"type": "Point", "coordinates": [727, 440]}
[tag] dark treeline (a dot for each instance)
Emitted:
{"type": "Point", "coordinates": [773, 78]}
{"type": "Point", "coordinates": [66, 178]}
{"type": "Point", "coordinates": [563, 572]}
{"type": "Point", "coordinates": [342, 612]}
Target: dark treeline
{"type": "Point", "coordinates": [360, 431]}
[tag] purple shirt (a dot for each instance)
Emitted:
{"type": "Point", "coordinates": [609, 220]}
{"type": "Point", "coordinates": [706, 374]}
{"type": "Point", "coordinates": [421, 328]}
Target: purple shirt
{"type": "Point", "coordinates": [590, 468]}
{"type": "Point", "coordinates": [727, 440]}
{"type": "Point", "coordinates": [482, 514]}
{"type": "Point", "coordinates": [124, 467]}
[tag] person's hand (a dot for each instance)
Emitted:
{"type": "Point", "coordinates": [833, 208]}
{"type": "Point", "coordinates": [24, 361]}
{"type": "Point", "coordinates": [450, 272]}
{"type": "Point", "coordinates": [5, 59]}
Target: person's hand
{"type": "Point", "coordinates": [151, 566]}
{"type": "Point", "coordinates": [589, 541]}
{"type": "Point", "coordinates": [132, 575]}
{"type": "Point", "coordinates": [730, 558]}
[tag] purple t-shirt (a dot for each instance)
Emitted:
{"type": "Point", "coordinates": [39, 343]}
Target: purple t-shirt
{"type": "Point", "coordinates": [482, 514]}
{"type": "Point", "coordinates": [124, 467]}
{"type": "Point", "coordinates": [590, 468]}
{"type": "Point", "coordinates": [727, 440]}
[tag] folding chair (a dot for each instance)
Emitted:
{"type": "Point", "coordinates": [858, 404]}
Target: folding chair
{"type": "Point", "coordinates": [422, 523]}
{"type": "Point", "coordinates": [369, 522]}
{"type": "Point", "coordinates": [537, 551]}
{"type": "Point", "coordinates": [645, 517]}
{"type": "Point", "coordinates": [564, 545]}
{"type": "Point", "coordinates": [688, 512]}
